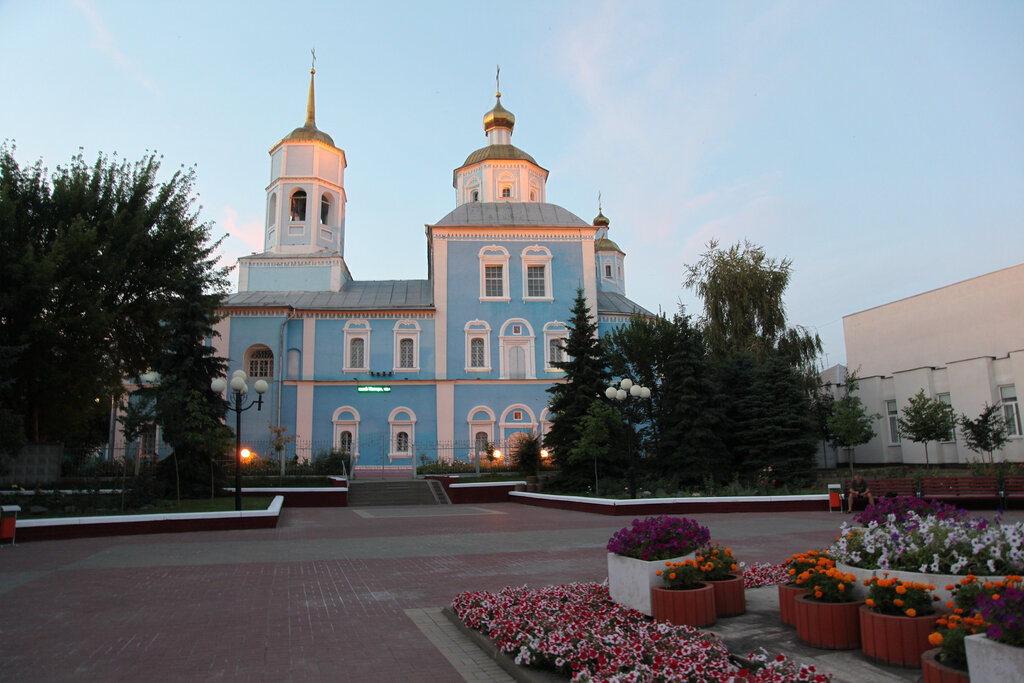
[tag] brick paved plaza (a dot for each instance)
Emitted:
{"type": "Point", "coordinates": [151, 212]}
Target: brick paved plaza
{"type": "Point", "coordinates": [342, 594]}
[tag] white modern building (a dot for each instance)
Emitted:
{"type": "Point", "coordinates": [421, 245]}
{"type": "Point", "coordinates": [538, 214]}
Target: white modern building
{"type": "Point", "coordinates": [963, 344]}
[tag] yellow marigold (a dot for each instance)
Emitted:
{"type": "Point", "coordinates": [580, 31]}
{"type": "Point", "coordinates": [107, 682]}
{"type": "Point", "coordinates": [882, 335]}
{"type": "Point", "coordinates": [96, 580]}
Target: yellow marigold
{"type": "Point", "coordinates": [935, 639]}
{"type": "Point", "coordinates": [911, 612]}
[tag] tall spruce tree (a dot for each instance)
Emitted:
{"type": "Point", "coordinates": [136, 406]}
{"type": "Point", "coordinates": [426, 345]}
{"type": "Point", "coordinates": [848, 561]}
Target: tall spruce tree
{"type": "Point", "coordinates": [586, 378]}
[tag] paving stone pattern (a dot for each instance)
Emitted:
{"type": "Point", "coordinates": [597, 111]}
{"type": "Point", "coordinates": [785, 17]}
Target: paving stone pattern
{"type": "Point", "coordinates": [331, 594]}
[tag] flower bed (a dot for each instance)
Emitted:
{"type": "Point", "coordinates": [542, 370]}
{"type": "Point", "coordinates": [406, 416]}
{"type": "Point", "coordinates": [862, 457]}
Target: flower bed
{"type": "Point", "coordinates": [578, 631]}
{"type": "Point", "coordinates": [764, 574]}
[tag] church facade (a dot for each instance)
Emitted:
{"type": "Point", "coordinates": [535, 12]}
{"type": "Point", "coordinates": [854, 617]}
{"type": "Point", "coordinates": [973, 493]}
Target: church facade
{"type": "Point", "coordinates": [399, 372]}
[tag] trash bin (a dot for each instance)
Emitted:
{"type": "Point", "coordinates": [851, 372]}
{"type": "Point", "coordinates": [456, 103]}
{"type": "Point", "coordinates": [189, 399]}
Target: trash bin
{"type": "Point", "coordinates": [8, 521]}
{"type": "Point", "coordinates": [835, 497]}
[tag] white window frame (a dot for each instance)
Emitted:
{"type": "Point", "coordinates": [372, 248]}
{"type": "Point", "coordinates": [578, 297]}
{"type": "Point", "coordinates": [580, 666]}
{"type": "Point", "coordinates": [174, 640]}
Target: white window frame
{"type": "Point", "coordinates": [471, 187]}
{"type": "Point", "coordinates": [272, 210]}
{"type": "Point", "coordinates": [478, 329]}
{"type": "Point", "coordinates": [293, 367]}
{"type": "Point", "coordinates": [892, 412]}
{"type": "Point", "coordinates": [357, 329]}
{"type": "Point", "coordinates": [480, 419]}
{"type": "Point", "coordinates": [506, 181]}
{"type": "Point", "coordinates": [528, 423]}
{"type": "Point", "coordinates": [325, 197]}
{"type": "Point", "coordinates": [346, 419]}
{"type": "Point", "coordinates": [305, 207]}
{"type": "Point", "coordinates": [399, 423]}
{"type": "Point", "coordinates": [247, 364]}
{"type": "Point", "coordinates": [508, 341]}
{"type": "Point", "coordinates": [554, 330]}
{"type": "Point", "coordinates": [537, 255]}
{"type": "Point", "coordinates": [406, 330]}
{"type": "Point", "coordinates": [1011, 411]}
{"type": "Point", "coordinates": [494, 255]}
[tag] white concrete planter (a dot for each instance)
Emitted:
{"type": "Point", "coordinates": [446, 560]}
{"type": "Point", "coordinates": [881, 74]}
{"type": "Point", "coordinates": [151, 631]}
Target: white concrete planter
{"type": "Point", "coordinates": [630, 580]}
{"type": "Point", "coordinates": [989, 661]}
{"type": "Point", "coordinates": [940, 581]}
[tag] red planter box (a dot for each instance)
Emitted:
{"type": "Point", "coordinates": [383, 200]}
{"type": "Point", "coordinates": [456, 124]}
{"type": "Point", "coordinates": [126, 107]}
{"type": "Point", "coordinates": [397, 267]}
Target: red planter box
{"type": "Point", "coordinates": [895, 639]}
{"type": "Point", "coordinates": [936, 672]}
{"type": "Point", "coordinates": [828, 625]}
{"type": "Point", "coordinates": [730, 596]}
{"type": "Point", "coordinates": [694, 607]}
{"type": "Point", "coordinates": [787, 602]}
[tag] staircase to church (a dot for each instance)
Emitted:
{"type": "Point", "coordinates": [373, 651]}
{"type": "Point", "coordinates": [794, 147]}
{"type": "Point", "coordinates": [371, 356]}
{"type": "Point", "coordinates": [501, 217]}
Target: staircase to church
{"type": "Point", "coordinates": [401, 492]}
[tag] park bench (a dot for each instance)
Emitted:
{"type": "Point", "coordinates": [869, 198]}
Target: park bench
{"type": "Point", "coordinates": [884, 488]}
{"type": "Point", "coordinates": [1012, 489]}
{"type": "Point", "coordinates": [960, 489]}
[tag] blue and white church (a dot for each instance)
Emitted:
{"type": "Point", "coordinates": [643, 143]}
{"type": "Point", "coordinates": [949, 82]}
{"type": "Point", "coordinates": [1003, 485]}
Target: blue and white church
{"type": "Point", "coordinates": [403, 371]}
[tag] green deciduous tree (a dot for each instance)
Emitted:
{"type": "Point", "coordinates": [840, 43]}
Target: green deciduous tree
{"type": "Point", "coordinates": [98, 258]}
{"type": "Point", "coordinates": [926, 419]}
{"type": "Point", "coordinates": [600, 451]}
{"type": "Point", "coordinates": [851, 424]}
{"type": "Point", "coordinates": [742, 290]}
{"type": "Point", "coordinates": [985, 433]}
{"type": "Point", "coordinates": [585, 380]}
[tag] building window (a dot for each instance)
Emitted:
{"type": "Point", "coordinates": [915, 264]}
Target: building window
{"type": "Point", "coordinates": [493, 281]}
{"type": "Point", "coordinates": [945, 398]}
{"type": "Point", "coordinates": [405, 357]}
{"type": "Point", "coordinates": [403, 432]}
{"type": "Point", "coordinates": [357, 346]}
{"type": "Point", "coordinates": [474, 196]}
{"type": "Point", "coordinates": [272, 210]}
{"type": "Point", "coordinates": [478, 346]}
{"type": "Point", "coordinates": [506, 192]}
{"type": "Point", "coordinates": [1011, 410]}
{"type": "Point", "coordinates": [535, 281]}
{"type": "Point", "coordinates": [480, 443]}
{"type": "Point", "coordinates": [294, 363]}
{"type": "Point", "coordinates": [608, 270]}
{"type": "Point", "coordinates": [297, 210]}
{"type": "Point", "coordinates": [259, 362]}
{"type": "Point", "coordinates": [536, 273]}
{"type": "Point", "coordinates": [481, 430]}
{"type": "Point", "coordinates": [555, 334]}
{"type": "Point", "coordinates": [346, 431]}
{"type": "Point", "coordinates": [533, 196]}
{"type": "Point", "coordinates": [494, 273]}
{"type": "Point", "coordinates": [894, 425]}
{"type": "Point", "coordinates": [476, 352]}
{"type": "Point", "coordinates": [325, 208]}
{"type": "Point", "coordinates": [357, 353]}
{"type": "Point", "coordinates": [407, 346]}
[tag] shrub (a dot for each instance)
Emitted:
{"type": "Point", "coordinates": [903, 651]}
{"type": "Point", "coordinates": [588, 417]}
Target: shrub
{"type": "Point", "coordinates": [659, 538]}
{"type": "Point", "coordinates": [901, 506]}
{"type": "Point", "coordinates": [828, 585]}
{"type": "Point", "coordinates": [892, 596]}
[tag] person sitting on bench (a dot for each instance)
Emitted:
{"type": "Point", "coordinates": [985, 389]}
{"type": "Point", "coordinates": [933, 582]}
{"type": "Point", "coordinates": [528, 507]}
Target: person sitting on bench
{"type": "Point", "coordinates": [858, 489]}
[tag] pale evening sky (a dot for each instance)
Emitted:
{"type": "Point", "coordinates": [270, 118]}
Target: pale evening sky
{"type": "Point", "coordinates": [879, 145]}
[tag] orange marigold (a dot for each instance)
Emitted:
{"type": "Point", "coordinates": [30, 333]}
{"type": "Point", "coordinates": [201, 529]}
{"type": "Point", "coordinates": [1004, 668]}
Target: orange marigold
{"type": "Point", "coordinates": [911, 612]}
{"type": "Point", "coordinates": [935, 639]}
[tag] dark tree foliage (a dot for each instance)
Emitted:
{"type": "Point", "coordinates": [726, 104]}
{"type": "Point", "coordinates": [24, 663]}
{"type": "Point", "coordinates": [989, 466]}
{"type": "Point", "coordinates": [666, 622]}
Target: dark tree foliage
{"type": "Point", "coordinates": [926, 419]}
{"type": "Point", "coordinates": [96, 257]}
{"type": "Point", "coordinates": [986, 433]}
{"type": "Point", "coordinates": [681, 423]}
{"type": "Point", "coordinates": [586, 378]}
{"type": "Point", "coordinates": [768, 419]}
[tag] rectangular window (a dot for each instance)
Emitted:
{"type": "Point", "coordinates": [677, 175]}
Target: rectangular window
{"type": "Point", "coordinates": [493, 281]}
{"type": "Point", "coordinates": [356, 354]}
{"type": "Point", "coordinates": [535, 281]}
{"type": "Point", "coordinates": [894, 426]}
{"type": "Point", "coordinates": [476, 353]}
{"type": "Point", "coordinates": [1011, 410]}
{"type": "Point", "coordinates": [405, 354]}
{"type": "Point", "coordinates": [945, 398]}
{"type": "Point", "coordinates": [608, 270]}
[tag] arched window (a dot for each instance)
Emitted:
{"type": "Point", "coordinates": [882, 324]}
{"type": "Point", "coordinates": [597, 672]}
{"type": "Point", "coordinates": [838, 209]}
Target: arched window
{"type": "Point", "coordinates": [345, 441]}
{"type": "Point", "coordinates": [325, 208]}
{"type": "Point", "coordinates": [259, 362]}
{"type": "Point", "coordinates": [272, 210]}
{"type": "Point", "coordinates": [402, 422]}
{"type": "Point", "coordinates": [297, 210]}
{"type": "Point", "coordinates": [476, 353]}
{"type": "Point", "coordinates": [346, 431]}
{"type": "Point", "coordinates": [474, 196]}
{"type": "Point", "coordinates": [356, 353]}
{"type": "Point", "coordinates": [406, 357]}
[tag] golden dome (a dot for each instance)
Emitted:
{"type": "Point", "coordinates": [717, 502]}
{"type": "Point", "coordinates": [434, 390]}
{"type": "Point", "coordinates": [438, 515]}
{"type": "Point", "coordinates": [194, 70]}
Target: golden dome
{"type": "Point", "coordinates": [499, 117]}
{"type": "Point", "coordinates": [601, 220]}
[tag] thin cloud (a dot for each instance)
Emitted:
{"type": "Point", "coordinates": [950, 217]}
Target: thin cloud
{"type": "Point", "coordinates": [250, 233]}
{"type": "Point", "coordinates": [104, 41]}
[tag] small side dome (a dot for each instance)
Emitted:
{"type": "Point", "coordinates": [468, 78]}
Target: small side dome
{"type": "Point", "coordinates": [601, 220]}
{"type": "Point", "coordinates": [309, 132]}
{"type": "Point", "coordinates": [499, 117]}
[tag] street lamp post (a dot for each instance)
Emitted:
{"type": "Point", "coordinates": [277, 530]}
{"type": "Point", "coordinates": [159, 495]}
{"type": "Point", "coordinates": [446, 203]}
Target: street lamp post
{"type": "Point", "coordinates": [628, 389]}
{"type": "Point", "coordinates": [239, 386]}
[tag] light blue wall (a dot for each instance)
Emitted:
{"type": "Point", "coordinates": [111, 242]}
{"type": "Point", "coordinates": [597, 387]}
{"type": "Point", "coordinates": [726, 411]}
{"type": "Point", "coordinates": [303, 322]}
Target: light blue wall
{"type": "Point", "coordinates": [290, 279]}
{"type": "Point", "coordinates": [330, 349]}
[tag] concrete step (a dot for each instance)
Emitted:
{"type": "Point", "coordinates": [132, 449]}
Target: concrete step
{"type": "Point", "coordinates": [400, 492]}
